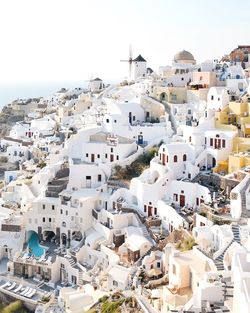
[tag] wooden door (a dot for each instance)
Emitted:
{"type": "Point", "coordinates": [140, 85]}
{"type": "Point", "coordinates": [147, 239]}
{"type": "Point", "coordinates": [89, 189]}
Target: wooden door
{"type": "Point", "coordinates": [182, 200]}
{"type": "Point", "coordinates": [149, 211]}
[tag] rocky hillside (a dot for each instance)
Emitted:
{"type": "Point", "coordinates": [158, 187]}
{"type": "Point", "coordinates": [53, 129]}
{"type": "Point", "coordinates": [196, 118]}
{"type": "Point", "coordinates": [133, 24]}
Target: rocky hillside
{"type": "Point", "coordinates": [8, 117]}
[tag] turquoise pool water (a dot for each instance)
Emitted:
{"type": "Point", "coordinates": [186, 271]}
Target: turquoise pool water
{"type": "Point", "coordinates": [34, 246]}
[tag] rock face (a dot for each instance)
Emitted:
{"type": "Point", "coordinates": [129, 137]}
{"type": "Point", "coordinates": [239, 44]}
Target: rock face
{"type": "Point", "coordinates": [8, 118]}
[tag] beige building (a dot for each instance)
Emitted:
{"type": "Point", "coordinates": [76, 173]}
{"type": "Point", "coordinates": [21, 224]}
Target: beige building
{"type": "Point", "coordinates": [170, 94]}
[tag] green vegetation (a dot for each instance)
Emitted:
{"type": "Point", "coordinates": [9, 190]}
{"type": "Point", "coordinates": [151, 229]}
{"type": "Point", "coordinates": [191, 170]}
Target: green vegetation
{"type": "Point", "coordinates": [186, 244]}
{"type": "Point", "coordinates": [111, 306]}
{"type": "Point", "coordinates": [135, 168]}
{"type": "Point", "coordinates": [14, 307]}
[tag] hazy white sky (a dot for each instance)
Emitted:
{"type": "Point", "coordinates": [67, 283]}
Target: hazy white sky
{"type": "Point", "coordinates": [46, 40]}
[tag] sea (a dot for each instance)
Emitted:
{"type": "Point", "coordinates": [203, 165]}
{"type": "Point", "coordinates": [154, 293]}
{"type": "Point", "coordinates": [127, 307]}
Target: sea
{"type": "Point", "coordinates": [20, 90]}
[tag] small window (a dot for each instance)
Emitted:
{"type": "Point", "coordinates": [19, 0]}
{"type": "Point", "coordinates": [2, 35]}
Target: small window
{"type": "Point", "coordinates": [175, 158]}
{"type": "Point", "coordinates": [98, 156]}
{"type": "Point", "coordinates": [44, 219]}
{"type": "Point", "coordinates": [43, 206]}
{"type": "Point", "coordinates": [99, 177]}
{"type": "Point", "coordinates": [50, 219]}
{"type": "Point", "coordinates": [87, 155]}
{"type": "Point", "coordinates": [212, 97]}
{"type": "Point", "coordinates": [117, 157]}
{"type": "Point", "coordinates": [106, 156]}
{"type": "Point", "coordinates": [223, 143]}
{"type": "Point", "coordinates": [184, 157]}
{"type": "Point", "coordinates": [145, 208]}
{"type": "Point", "coordinates": [53, 207]}
{"type": "Point", "coordinates": [112, 149]}
{"type": "Point", "coordinates": [107, 120]}
{"type": "Point", "coordinates": [211, 142]}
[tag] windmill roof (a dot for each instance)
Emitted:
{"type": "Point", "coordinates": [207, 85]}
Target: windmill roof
{"type": "Point", "coordinates": [139, 59]}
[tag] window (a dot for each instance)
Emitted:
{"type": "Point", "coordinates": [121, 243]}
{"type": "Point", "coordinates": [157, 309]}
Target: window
{"type": "Point", "coordinates": [50, 219]}
{"type": "Point", "coordinates": [107, 120]}
{"type": "Point", "coordinates": [174, 269]}
{"type": "Point", "coordinates": [66, 212]}
{"type": "Point", "coordinates": [63, 224]}
{"type": "Point", "coordinates": [133, 118]}
{"type": "Point", "coordinates": [117, 157]}
{"type": "Point", "coordinates": [175, 158]}
{"type": "Point", "coordinates": [212, 97]}
{"type": "Point", "coordinates": [189, 111]}
{"type": "Point", "coordinates": [115, 283]}
{"type": "Point", "coordinates": [223, 143]}
{"type": "Point", "coordinates": [182, 78]}
{"type": "Point", "coordinates": [61, 211]}
{"type": "Point", "coordinates": [112, 149]}
{"type": "Point", "coordinates": [87, 155]}
{"type": "Point", "coordinates": [43, 206]}
{"type": "Point", "coordinates": [98, 156]}
{"type": "Point", "coordinates": [44, 219]}
{"type": "Point", "coordinates": [184, 157]}
{"type": "Point", "coordinates": [211, 142]}
{"type": "Point", "coordinates": [106, 156]}
{"type": "Point", "coordinates": [158, 264]}
{"type": "Point", "coordinates": [175, 197]}
{"type": "Point", "coordinates": [155, 211]}
{"type": "Point", "coordinates": [53, 207]}
{"type": "Point", "coordinates": [145, 208]}
{"type": "Point", "coordinates": [99, 177]}
{"type": "Point", "coordinates": [205, 140]}
{"type": "Point", "coordinates": [167, 158]}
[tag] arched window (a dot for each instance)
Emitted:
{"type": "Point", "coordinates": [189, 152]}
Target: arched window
{"type": "Point", "coordinates": [175, 158]}
{"type": "Point", "coordinates": [184, 157]}
{"type": "Point", "coordinates": [63, 224]}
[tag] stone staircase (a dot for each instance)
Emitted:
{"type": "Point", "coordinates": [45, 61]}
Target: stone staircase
{"type": "Point", "coordinates": [72, 262]}
{"type": "Point", "coordinates": [245, 213]}
{"type": "Point", "coordinates": [58, 184]}
{"type": "Point", "coordinates": [219, 260]}
{"type": "Point", "coordinates": [236, 233]}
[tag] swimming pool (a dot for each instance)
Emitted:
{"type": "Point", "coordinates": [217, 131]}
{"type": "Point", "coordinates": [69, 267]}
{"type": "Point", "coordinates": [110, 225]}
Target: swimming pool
{"type": "Point", "coordinates": [34, 246]}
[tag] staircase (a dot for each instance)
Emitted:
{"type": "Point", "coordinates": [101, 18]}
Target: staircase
{"type": "Point", "coordinates": [236, 233]}
{"type": "Point", "coordinates": [72, 262]}
{"type": "Point", "coordinates": [80, 278]}
{"type": "Point", "coordinates": [146, 234]}
{"type": "Point", "coordinates": [58, 184]}
{"type": "Point", "coordinates": [245, 213]}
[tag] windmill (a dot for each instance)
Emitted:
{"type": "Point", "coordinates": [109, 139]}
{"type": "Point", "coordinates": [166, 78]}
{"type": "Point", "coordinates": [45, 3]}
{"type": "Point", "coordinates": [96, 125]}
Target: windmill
{"type": "Point", "coordinates": [130, 60]}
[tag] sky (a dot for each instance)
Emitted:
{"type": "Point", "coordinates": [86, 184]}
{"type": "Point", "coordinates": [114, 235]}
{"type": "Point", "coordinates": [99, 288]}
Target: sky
{"type": "Point", "coordinates": [76, 40]}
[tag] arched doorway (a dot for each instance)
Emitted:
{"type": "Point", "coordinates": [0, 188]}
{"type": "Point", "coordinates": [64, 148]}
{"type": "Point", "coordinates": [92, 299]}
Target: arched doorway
{"type": "Point", "coordinates": [163, 97]}
{"type": "Point", "coordinates": [49, 236]}
{"type": "Point", "coordinates": [64, 239]}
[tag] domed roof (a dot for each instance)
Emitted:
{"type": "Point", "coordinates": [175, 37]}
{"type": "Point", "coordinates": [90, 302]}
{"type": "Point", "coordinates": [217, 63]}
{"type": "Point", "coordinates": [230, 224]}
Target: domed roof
{"type": "Point", "coordinates": [183, 56]}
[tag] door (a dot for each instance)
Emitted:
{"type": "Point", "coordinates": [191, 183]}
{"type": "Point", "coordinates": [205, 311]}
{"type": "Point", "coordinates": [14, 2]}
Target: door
{"type": "Point", "coordinates": [88, 181]}
{"type": "Point", "coordinates": [140, 139]}
{"type": "Point", "coordinates": [92, 158]}
{"type": "Point", "coordinates": [149, 211]}
{"type": "Point", "coordinates": [163, 159]}
{"type": "Point", "coordinates": [182, 200]}
{"type": "Point", "coordinates": [111, 157]}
